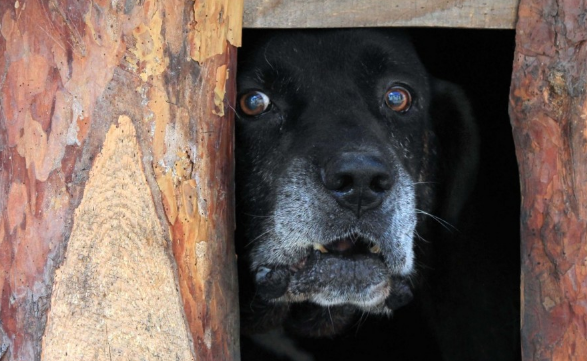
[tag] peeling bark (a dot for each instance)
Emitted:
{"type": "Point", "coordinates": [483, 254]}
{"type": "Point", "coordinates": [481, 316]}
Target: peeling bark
{"type": "Point", "coordinates": [73, 72]}
{"type": "Point", "coordinates": [549, 113]}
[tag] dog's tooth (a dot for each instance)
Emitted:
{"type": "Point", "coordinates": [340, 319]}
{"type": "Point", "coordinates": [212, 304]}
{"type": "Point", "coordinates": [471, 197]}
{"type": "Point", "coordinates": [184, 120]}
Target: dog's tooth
{"type": "Point", "coordinates": [321, 248]}
{"type": "Point", "coordinates": [375, 249]}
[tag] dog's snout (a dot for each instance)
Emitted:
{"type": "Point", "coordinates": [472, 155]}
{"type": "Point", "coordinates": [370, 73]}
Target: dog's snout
{"type": "Point", "coordinates": [358, 181]}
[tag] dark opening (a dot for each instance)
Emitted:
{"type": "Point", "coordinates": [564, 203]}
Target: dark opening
{"type": "Point", "coordinates": [480, 61]}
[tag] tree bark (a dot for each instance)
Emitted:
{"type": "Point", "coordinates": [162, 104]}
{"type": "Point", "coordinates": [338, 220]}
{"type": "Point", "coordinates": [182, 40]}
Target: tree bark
{"type": "Point", "coordinates": [549, 112]}
{"type": "Point", "coordinates": [116, 168]}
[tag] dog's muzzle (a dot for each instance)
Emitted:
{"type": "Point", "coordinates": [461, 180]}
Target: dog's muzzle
{"type": "Point", "coordinates": [358, 181]}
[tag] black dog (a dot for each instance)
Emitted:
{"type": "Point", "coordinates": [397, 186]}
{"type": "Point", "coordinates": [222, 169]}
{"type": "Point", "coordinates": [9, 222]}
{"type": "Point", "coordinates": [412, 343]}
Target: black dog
{"type": "Point", "coordinates": [345, 148]}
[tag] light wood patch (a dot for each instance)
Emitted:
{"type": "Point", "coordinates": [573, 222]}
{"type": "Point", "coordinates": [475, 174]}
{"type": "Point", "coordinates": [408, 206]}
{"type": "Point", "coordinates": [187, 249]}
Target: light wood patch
{"type": "Point", "coordinates": [115, 296]}
{"type": "Point", "coordinates": [498, 14]}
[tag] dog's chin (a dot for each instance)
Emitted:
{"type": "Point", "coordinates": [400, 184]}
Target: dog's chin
{"type": "Point", "coordinates": [348, 271]}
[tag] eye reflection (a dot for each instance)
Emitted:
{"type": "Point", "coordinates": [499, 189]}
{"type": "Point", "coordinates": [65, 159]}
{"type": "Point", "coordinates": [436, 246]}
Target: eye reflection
{"type": "Point", "coordinates": [254, 102]}
{"type": "Point", "coordinates": [398, 99]}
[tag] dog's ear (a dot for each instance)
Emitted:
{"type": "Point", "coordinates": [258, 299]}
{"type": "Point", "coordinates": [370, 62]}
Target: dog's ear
{"type": "Point", "coordinates": [458, 139]}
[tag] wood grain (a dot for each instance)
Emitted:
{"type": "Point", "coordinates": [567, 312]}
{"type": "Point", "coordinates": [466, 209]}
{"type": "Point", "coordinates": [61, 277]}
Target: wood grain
{"type": "Point", "coordinates": [548, 108]}
{"type": "Point", "coordinates": [115, 295]}
{"type": "Point", "coordinates": [71, 72]}
{"type": "Point", "coordinates": [497, 14]}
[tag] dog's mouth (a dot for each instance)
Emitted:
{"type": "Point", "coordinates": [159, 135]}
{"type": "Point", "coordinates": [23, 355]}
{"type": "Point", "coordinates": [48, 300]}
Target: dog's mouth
{"type": "Point", "coordinates": [349, 247]}
{"type": "Point", "coordinates": [351, 270]}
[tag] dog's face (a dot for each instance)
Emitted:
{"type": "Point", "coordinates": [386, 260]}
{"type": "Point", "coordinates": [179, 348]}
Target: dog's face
{"type": "Point", "coordinates": [334, 147]}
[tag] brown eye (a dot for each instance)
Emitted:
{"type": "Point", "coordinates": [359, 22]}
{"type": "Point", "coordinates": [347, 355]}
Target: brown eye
{"type": "Point", "coordinates": [398, 99]}
{"type": "Point", "coordinates": [254, 102]}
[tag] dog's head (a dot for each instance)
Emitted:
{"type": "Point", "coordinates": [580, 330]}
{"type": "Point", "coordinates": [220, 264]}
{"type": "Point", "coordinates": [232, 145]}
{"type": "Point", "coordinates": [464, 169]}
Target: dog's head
{"type": "Point", "coordinates": [336, 156]}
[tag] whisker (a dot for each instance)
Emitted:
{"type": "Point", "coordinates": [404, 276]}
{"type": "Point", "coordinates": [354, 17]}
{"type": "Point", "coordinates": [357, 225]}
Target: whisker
{"type": "Point", "coordinates": [235, 112]}
{"type": "Point", "coordinates": [258, 216]}
{"type": "Point", "coordinates": [422, 266]}
{"type": "Point", "coordinates": [256, 238]}
{"type": "Point", "coordinates": [442, 222]}
{"type": "Point", "coordinates": [330, 316]}
{"type": "Point", "coordinates": [420, 237]}
{"type": "Point", "coordinates": [360, 322]}
{"type": "Point", "coordinates": [410, 279]}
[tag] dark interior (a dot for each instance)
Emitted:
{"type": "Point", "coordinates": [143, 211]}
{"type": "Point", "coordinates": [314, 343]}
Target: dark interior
{"type": "Point", "coordinates": [480, 61]}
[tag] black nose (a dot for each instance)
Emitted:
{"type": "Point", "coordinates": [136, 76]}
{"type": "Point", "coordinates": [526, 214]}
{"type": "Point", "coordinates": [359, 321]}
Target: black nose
{"type": "Point", "coordinates": [358, 181]}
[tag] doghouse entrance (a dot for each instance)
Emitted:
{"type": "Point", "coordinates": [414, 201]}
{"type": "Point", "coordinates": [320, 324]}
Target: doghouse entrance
{"type": "Point", "coordinates": [480, 62]}
{"type": "Point", "coordinates": [109, 106]}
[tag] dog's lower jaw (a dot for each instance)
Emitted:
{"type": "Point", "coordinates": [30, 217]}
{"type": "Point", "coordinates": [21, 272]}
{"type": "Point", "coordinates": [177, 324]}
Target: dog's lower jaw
{"type": "Point", "coordinates": [329, 280]}
{"type": "Point", "coordinates": [362, 281]}
{"type": "Point", "coordinates": [372, 298]}
{"type": "Point", "coordinates": [310, 318]}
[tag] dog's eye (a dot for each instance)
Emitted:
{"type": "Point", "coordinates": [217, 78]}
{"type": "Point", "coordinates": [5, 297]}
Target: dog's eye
{"type": "Point", "coordinates": [398, 99]}
{"type": "Point", "coordinates": [254, 102]}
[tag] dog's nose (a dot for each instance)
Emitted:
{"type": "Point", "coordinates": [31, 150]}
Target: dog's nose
{"type": "Point", "coordinates": [358, 181]}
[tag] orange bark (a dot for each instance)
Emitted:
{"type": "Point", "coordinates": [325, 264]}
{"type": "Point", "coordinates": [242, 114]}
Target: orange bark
{"type": "Point", "coordinates": [549, 113]}
{"type": "Point", "coordinates": [70, 71]}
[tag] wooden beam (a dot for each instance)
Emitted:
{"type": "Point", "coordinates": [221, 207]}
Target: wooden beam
{"type": "Point", "coordinates": [116, 180]}
{"type": "Point", "coordinates": [548, 108]}
{"type": "Point", "coordinates": [494, 14]}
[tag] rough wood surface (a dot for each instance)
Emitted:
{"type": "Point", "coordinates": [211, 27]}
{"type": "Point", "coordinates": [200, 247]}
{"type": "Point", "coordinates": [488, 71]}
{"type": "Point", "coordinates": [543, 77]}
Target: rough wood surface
{"type": "Point", "coordinates": [70, 72]}
{"type": "Point", "coordinates": [497, 14]}
{"type": "Point", "coordinates": [115, 296]}
{"type": "Point", "coordinates": [549, 117]}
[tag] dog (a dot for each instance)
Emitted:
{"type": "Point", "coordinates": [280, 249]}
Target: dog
{"type": "Point", "coordinates": [346, 151]}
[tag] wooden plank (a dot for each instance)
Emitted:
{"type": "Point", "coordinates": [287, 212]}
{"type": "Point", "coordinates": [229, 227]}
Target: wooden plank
{"type": "Point", "coordinates": [116, 180]}
{"type": "Point", "coordinates": [548, 107]}
{"type": "Point", "coordinates": [495, 14]}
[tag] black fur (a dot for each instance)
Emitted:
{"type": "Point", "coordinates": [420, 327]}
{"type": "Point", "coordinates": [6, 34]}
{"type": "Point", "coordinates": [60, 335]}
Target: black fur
{"type": "Point", "coordinates": [328, 111]}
